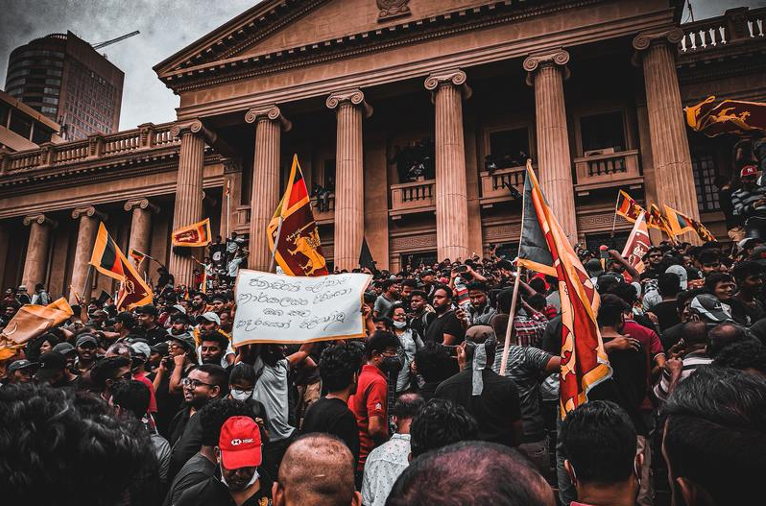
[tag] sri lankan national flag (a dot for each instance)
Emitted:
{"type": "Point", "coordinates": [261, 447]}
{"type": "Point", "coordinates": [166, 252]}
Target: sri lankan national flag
{"type": "Point", "coordinates": [292, 232]}
{"type": "Point", "coordinates": [195, 235]}
{"type": "Point", "coordinates": [680, 223]}
{"type": "Point", "coordinates": [655, 219]}
{"type": "Point", "coordinates": [109, 260]}
{"type": "Point", "coordinates": [736, 117]}
{"type": "Point", "coordinates": [584, 362]}
{"type": "Point", "coordinates": [136, 256]}
{"type": "Point", "coordinates": [637, 245]}
{"type": "Point", "coordinates": [627, 207]}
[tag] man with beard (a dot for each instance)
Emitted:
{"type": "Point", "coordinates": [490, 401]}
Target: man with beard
{"type": "Point", "coordinates": [749, 202]}
{"type": "Point", "coordinates": [213, 349]}
{"type": "Point", "coordinates": [207, 324]}
{"type": "Point", "coordinates": [239, 456]}
{"type": "Point", "coordinates": [198, 304]}
{"type": "Point", "coordinates": [19, 372]}
{"type": "Point", "coordinates": [86, 346]}
{"type": "Point", "coordinates": [420, 313]}
{"type": "Point", "coordinates": [481, 311]}
{"type": "Point", "coordinates": [150, 329]}
{"type": "Point", "coordinates": [446, 329]}
{"type": "Point", "coordinates": [108, 372]}
{"type": "Point", "coordinates": [203, 384]}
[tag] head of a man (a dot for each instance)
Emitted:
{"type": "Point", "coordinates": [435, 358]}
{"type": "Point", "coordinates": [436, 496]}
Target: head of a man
{"type": "Point", "coordinates": [748, 176]}
{"type": "Point", "coordinates": [471, 472]}
{"type": "Point", "coordinates": [213, 348]}
{"type": "Point", "coordinates": [391, 288]}
{"type": "Point", "coordinates": [723, 335]}
{"type": "Point", "coordinates": [440, 423]}
{"type": "Point", "coordinates": [239, 452]}
{"type": "Point", "coordinates": [208, 322]}
{"type": "Point", "coordinates": [317, 469]}
{"type": "Point", "coordinates": [86, 345]}
{"type": "Point", "coordinates": [109, 371]}
{"type": "Point", "coordinates": [418, 301]}
{"type": "Point", "coordinates": [433, 362]}
{"type": "Point", "coordinates": [478, 337]}
{"type": "Point", "coordinates": [709, 261]}
{"type": "Point", "coordinates": [442, 299]}
{"type": "Point", "coordinates": [721, 285]}
{"type": "Point", "coordinates": [203, 384]}
{"type": "Point", "coordinates": [669, 284]}
{"type": "Point", "coordinates": [749, 277]}
{"type": "Point", "coordinates": [20, 371]}
{"type": "Point", "coordinates": [339, 367]}
{"type": "Point", "coordinates": [214, 414]}
{"type": "Point", "coordinates": [477, 292]}
{"type": "Point", "coordinates": [405, 409]}
{"type": "Point", "coordinates": [130, 398]}
{"type": "Point", "coordinates": [381, 350]}
{"type": "Point", "coordinates": [198, 301]}
{"type": "Point", "coordinates": [147, 316]}
{"type": "Point", "coordinates": [612, 311]}
{"type": "Point", "coordinates": [51, 369]}
{"type": "Point", "coordinates": [714, 438]}
{"type": "Point", "coordinates": [748, 356]}
{"type": "Point", "coordinates": [599, 442]}
{"type": "Point", "coordinates": [86, 431]}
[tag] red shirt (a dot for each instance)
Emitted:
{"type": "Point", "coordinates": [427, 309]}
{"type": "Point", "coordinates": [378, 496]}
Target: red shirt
{"type": "Point", "coordinates": [647, 337]}
{"type": "Point", "coordinates": [152, 399]}
{"type": "Point", "coordinates": [369, 400]}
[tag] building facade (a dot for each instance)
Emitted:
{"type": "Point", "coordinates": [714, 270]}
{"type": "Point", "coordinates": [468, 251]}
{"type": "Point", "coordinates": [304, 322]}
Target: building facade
{"type": "Point", "coordinates": [22, 127]}
{"type": "Point", "coordinates": [67, 80]}
{"type": "Point", "coordinates": [414, 116]}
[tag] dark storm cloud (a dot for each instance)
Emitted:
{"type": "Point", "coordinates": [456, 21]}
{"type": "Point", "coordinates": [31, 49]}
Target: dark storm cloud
{"type": "Point", "coordinates": [166, 26]}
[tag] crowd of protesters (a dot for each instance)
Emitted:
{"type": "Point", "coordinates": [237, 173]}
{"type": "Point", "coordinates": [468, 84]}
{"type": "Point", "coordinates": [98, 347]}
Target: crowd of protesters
{"type": "Point", "coordinates": [155, 405]}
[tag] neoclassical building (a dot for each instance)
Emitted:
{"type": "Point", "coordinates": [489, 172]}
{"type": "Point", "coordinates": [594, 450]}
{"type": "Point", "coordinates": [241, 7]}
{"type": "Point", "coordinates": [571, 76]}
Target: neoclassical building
{"type": "Point", "coordinates": [413, 116]}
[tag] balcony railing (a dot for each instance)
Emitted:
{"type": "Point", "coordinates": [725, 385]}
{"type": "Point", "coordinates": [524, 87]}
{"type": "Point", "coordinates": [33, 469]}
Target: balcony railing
{"type": "Point", "coordinates": [735, 25]}
{"type": "Point", "coordinates": [496, 186]}
{"type": "Point", "coordinates": [324, 214]}
{"type": "Point", "coordinates": [607, 170]}
{"type": "Point", "coordinates": [412, 197]}
{"type": "Point", "coordinates": [95, 146]}
{"type": "Point", "coordinates": [241, 219]}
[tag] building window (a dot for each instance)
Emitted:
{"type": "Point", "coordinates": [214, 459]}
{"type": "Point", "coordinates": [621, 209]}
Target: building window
{"type": "Point", "coordinates": [703, 165]}
{"type": "Point", "coordinates": [415, 259]}
{"type": "Point", "coordinates": [509, 148]}
{"type": "Point", "coordinates": [329, 174]}
{"type": "Point", "coordinates": [602, 132]}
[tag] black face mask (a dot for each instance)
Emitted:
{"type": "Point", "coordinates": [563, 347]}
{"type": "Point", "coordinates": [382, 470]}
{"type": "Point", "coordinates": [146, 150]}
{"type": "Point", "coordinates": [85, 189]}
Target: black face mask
{"type": "Point", "coordinates": [392, 364]}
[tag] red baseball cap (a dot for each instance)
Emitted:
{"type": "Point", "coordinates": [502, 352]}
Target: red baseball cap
{"type": "Point", "coordinates": [749, 170]}
{"type": "Point", "coordinates": [240, 443]}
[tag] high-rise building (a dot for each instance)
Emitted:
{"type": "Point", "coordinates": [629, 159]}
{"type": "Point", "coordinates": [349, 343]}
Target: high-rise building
{"type": "Point", "coordinates": [67, 80]}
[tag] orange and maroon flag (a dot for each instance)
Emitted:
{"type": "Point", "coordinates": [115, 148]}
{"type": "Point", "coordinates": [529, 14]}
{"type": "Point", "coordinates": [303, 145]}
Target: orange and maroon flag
{"type": "Point", "coordinates": [136, 256]}
{"type": "Point", "coordinates": [627, 207]}
{"type": "Point", "coordinates": [736, 117]}
{"type": "Point", "coordinates": [195, 235]}
{"type": "Point", "coordinates": [656, 220]}
{"type": "Point", "coordinates": [30, 321]}
{"type": "Point", "coordinates": [638, 244]}
{"type": "Point", "coordinates": [681, 223]}
{"type": "Point", "coordinates": [584, 362]}
{"type": "Point", "coordinates": [292, 233]}
{"type": "Point", "coordinates": [107, 257]}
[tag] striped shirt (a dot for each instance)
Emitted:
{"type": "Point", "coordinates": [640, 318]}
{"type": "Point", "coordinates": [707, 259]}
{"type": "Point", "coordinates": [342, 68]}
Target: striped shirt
{"type": "Point", "coordinates": [742, 202]}
{"type": "Point", "coordinates": [690, 363]}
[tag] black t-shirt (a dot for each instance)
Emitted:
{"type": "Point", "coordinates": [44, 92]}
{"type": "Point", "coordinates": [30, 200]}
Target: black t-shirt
{"type": "Point", "coordinates": [445, 324]}
{"type": "Point", "coordinates": [629, 372]}
{"type": "Point", "coordinates": [186, 438]}
{"type": "Point", "coordinates": [672, 335]}
{"type": "Point", "coordinates": [667, 314]}
{"type": "Point", "coordinates": [496, 409]}
{"type": "Point", "coordinates": [213, 492]}
{"type": "Point", "coordinates": [332, 416]}
{"type": "Point", "coordinates": [552, 336]}
{"type": "Point", "coordinates": [196, 470]}
{"type": "Point", "coordinates": [745, 314]}
{"type": "Point", "coordinates": [154, 336]}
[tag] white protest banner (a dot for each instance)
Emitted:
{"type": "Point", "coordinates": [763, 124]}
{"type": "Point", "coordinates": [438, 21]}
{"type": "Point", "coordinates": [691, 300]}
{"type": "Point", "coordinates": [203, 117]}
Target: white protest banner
{"type": "Point", "coordinates": [273, 308]}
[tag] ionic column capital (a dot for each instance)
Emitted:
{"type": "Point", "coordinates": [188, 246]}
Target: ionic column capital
{"type": "Point", "coordinates": [670, 35]}
{"type": "Point", "coordinates": [558, 57]}
{"type": "Point", "coordinates": [268, 113]}
{"type": "Point", "coordinates": [40, 219]}
{"type": "Point", "coordinates": [142, 203]}
{"type": "Point", "coordinates": [450, 77]}
{"type": "Point", "coordinates": [88, 211]}
{"type": "Point", "coordinates": [353, 96]}
{"type": "Point", "coordinates": [195, 127]}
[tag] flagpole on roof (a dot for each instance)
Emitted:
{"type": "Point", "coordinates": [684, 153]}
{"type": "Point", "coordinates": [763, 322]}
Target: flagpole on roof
{"type": "Point", "coordinates": [516, 283]}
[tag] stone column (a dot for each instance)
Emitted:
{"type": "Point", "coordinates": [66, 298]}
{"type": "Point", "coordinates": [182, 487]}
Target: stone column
{"type": "Point", "coordinates": [667, 127]}
{"type": "Point", "coordinates": [141, 227]}
{"type": "Point", "coordinates": [350, 109]}
{"type": "Point", "coordinates": [546, 72]}
{"type": "Point", "coordinates": [36, 262]}
{"type": "Point", "coordinates": [232, 194]}
{"type": "Point", "coordinates": [86, 236]}
{"type": "Point", "coordinates": [265, 195]}
{"type": "Point", "coordinates": [188, 206]}
{"type": "Point", "coordinates": [448, 89]}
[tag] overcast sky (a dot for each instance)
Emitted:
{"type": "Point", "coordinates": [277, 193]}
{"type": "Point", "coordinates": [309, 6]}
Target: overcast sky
{"type": "Point", "coordinates": [166, 26]}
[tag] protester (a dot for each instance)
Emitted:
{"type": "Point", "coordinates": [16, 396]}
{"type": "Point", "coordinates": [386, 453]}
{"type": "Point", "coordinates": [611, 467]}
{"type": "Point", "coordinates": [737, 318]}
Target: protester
{"type": "Point", "coordinates": [20, 372]}
{"type": "Point", "coordinates": [410, 342]}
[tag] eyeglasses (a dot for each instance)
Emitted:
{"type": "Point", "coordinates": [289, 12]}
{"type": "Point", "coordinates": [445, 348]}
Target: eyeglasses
{"type": "Point", "coordinates": [193, 383]}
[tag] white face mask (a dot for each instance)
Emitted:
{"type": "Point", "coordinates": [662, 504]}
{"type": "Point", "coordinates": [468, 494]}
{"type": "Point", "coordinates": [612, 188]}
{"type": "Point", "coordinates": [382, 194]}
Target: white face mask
{"type": "Point", "coordinates": [252, 480]}
{"type": "Point", "coordinates": [400, 325]}
{"type": "Point", "coordinates": [241, 395]}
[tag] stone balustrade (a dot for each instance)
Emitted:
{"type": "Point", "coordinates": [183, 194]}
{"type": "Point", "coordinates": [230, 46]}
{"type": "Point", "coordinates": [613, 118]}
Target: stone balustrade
{"type": "Point", "coordinates": [607, 170]}
{"type": "Point", "coordinates": [736, 25]}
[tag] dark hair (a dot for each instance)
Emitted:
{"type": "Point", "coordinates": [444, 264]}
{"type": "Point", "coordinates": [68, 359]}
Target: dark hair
{"type": "Point", "coordinates": [217, 375]}
{"type": "Point", "coordinates": [379, 341]}
{"type": "Point", "coordinates": [606, 282]}
{"type": "Point", "coordinates": [537, 302]}
{"type": "Point", "coordinates": [483, 469]}
{"type": "Point", "coordinates": [105, 369]}
{"type": "Point", "coordinates": [504, 299]}
{"type": "Point", "coordinates": [714, 278]}
{"type": "Point", "coordinates": [242, 372]}
{"type": "Point", "coordinates": [409, 282]}
{"type": "Point", "coordinates": [715, 433]}
{"type": "Point", "coordinates": [447, 291]}
{"type": "Point", "coordinates": [538, 285]}
{"type": "Point", "coordinates": [723, 335]}
{"type": "Point", "coordinates": [221, 340]}
{"type": "Point", "coordinates": [709, 256]}
{"type": "Point", "coordinates": [599, 441]}
{"type": "Point", "coordinates": [214, 414]}
{"type": "Point", "coordinates": [749, 354]}
{"type": "Point", "coordinates": [669, 284]}
{"type": "Point", "coordinates": [745, 269]}
{"type": "Point", "coordinates": [408, 405]}
{"type": "Point", "coordinates": [433, 361]}
{"type": "Point", "coordinates": [477, 285]}
{"type": "Point", "coordinates": [686, 296]}
{"type": "Point", "coordinates": [132, 396]}
{"type": "Point", "coordinates": [337, 366]}
{"type": "Point", "coordinates": [46, 430]}
{"type": "Point", "coordinates": [611, 310]}
{"type": "Point", "coordinates": [388, 283]}
{"type": "Point", "coordinates": [385, 320]}
{"type": "Point", "coordinates": [625, 291]}
{"type": "Point", "coordinates": [440, 423]}
{"type": "Point", "coordinates": [419, 293]}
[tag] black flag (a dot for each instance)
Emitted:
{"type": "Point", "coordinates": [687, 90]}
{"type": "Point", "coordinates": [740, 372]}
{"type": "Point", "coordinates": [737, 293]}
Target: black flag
{"type": "Point", "coordinates": [365, 257]}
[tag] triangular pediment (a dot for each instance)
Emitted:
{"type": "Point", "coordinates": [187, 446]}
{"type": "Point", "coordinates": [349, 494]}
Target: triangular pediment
{"type": "Point", "coordinates": [275, 26]}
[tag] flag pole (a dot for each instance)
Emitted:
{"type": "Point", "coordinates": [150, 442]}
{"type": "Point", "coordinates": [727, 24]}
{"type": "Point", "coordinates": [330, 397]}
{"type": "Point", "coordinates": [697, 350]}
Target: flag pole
{"type": "Point", "coordinates": [88, 280]}
{"type": "Point", "coordinates": [614, 220]}
{"type": "Point", "coordinates": [276, 245]}
{"type": "Point", "coordinates": [516, 283]}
